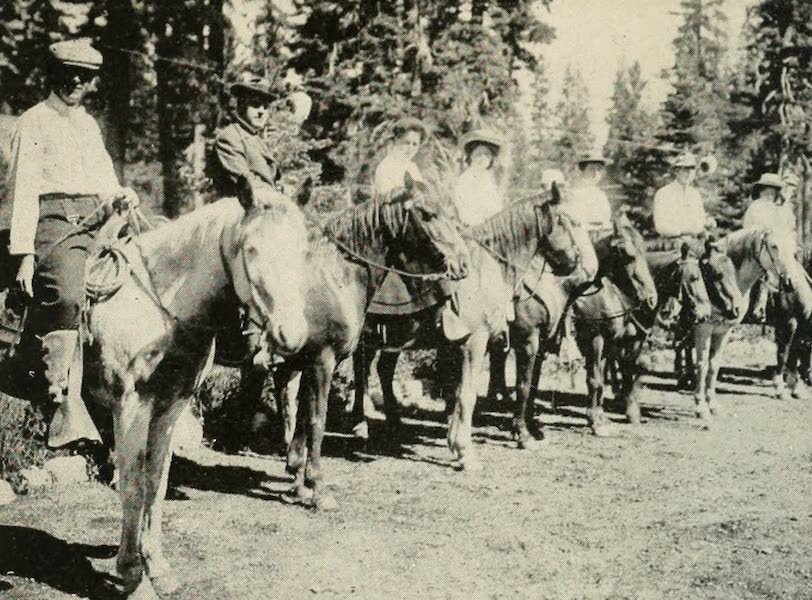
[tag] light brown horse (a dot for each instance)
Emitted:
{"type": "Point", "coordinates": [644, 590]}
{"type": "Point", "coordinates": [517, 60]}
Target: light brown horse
{"type": "Point", "coordinates": [501, 250]}
{"type": "Point", "coordinates": [406, 232]}
{"type": "Point", "coordinates": [754, 253]}
{"type": "Point", "coordinates": [153, 338]}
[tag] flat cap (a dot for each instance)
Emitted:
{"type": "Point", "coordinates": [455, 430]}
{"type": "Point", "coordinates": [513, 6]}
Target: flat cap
{"type": "Point", "coordinates": [77, 53]}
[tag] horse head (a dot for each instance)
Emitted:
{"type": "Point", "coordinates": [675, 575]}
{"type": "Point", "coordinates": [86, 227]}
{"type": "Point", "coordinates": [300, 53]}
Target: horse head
{"type": "Point", "coordinates": [427, 238]}
{"type": "Point", "coordinates": [777, 256]}
{"type": "Point", "coordinates": [685, 288]}
{"type": "Point", "coordinates": [623, 258]}
{"type": "Point", "coordinates": [266, 259]}
{"type": "Point", "coordinates": [557, 239]}
{"type": "Point", "coordinates": [719, 273]}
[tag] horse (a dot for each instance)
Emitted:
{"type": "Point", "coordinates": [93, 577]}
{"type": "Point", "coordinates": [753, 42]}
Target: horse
{"type": "Point", "coordinates": [501, 249]}
{"type": "Point", "coordinates": [789, 316]}
{"type": "Point", "coordinates": [754, 253]}
{"type": "Point", "coordinates": [405, 232]}
{"type": "Point", "coordinates": [704, 274]}
{"type": "Point", "coordinates": [603, 310]}
{"type": "Point", "coordinates": [150, 340]}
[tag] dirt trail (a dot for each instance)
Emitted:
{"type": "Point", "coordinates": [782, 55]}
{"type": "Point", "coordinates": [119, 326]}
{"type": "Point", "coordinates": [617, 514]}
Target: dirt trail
{"type": "Point", "coordinates": [661, 511]}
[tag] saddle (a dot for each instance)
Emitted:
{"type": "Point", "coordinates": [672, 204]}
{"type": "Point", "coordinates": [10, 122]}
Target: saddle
{"type": "Point", "coordinates": [393, 298]}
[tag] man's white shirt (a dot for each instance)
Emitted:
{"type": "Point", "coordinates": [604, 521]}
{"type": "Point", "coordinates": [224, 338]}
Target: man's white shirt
{"type": "Point", "coordinates": [678, 210]}
{"type": "Point", "coordinates": [588, 205]}
{"type": "Point", "coordinates": [765, 214]}
{"type": "Point", "coordinates": [56, 148]}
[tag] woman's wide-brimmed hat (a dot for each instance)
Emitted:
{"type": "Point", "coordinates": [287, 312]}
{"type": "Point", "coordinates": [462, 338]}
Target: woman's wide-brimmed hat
{"type": "Point", "coordinates": [686, 160]}
{"type": "Point", "coordinates": [482, 136]}
{"type": "Point", "coordinates": [250, 83]}
{"type": "Point", "coordinates": [772, 180]}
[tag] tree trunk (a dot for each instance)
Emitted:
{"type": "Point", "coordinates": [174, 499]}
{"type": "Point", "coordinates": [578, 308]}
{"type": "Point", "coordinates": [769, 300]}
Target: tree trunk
{"type": "Point", "coordinates": [166, 48]}
{"type": "Point", "coordinates": [119, 35]}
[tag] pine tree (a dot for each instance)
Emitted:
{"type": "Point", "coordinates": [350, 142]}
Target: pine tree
{"type": "Point", "coordinates": [774, 98]}
{"type": "Point", "coordinates": [572, 134]}
{"type": "Point", "coordinates": [695, 114]}
{"type": "Point", "coordinates": [636, 162]}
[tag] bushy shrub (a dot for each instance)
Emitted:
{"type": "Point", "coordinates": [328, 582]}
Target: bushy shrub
{"type": "Point", "coordinates": [22, 438]}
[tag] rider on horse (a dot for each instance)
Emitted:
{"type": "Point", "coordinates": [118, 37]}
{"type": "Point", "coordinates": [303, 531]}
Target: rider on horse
{"type": "Point", "coordinates": [679, 210]}
{"type": "Point", "coordinates": [63, 184]}
{"type": "Point", "coordinates": [477, 194]}
{"type": "Point", "coordinates": [392, 297]}
{"type": "Point", "coordinates": [587, 203]}
{"type": "Point", "coordinates": [772, 209]}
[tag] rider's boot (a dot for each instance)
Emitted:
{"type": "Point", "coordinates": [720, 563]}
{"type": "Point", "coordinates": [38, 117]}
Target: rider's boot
{"type": "Point", "coordinates": [62, 358]}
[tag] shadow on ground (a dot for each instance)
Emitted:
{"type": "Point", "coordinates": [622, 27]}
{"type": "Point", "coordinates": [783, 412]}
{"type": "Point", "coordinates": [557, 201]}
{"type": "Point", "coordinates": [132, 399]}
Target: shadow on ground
{"type": "Point", "coordinates": [35, 554]}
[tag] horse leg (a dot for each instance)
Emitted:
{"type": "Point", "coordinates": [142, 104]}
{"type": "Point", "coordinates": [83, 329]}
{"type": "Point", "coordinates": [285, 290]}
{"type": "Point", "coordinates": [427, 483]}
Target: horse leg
{"type": "Point", "coordinates": [131, 422]}
{"type": "Point", "coordinates": [286, 386]}
{"type": "Point", "coordinates": [159, 459]}
{"type": "Point", "coordinates": [592, 347]}
{"type": "Point", "coordinates": [387, 362]}
{"type": "Point", "coordinates": [702, 341]}
{"type": "Point", "coordinates": [717, 345]}
{"type": "Point", "coordinates": [473, 354]}
{"type": "Point", "coordinates": [361, 363]}
{"type": "Point", "coordinates": [633, 346]}
{"type": "Point", "coordinates": [297, 448]}
{"type": "Point", "coordinates": [497, 384]}
{"type": "Point", "coordinates": [323, 371]}
{"type": "Point", "coordinates": [785, 330]}
{"type": "Point", "coordinates": [523, 413]}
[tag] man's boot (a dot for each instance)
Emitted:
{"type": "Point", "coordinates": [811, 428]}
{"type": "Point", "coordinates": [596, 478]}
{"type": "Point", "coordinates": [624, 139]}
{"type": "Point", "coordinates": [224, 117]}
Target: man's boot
{"type": "Point", "coordinates": [62, 358]}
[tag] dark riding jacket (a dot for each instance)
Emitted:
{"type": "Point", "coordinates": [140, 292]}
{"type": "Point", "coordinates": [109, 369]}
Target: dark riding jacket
{"type": "Point", "coordinates": [240, 149]}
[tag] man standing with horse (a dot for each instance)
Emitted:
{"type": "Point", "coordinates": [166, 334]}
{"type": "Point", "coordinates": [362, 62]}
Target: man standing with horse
{"type": "Point", "coordinates": [63, 185]}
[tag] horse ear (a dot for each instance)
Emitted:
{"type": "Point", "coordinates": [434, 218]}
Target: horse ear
{"type": "Point", "coordinates": [246, 193]}
{"type": "Point", "coordinates": [684, 250]}
{"type": "Point", "coordinates": [408, 181]}
{"type": "Point", "coordinates": [302, 193]}
{"type": "Point", "coordinates": [555, 194]}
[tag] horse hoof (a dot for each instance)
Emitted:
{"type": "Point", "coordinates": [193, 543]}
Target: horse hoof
{"type": "Point", "coordinates": [324, 502]}
{"type": "Point", "coordinates": [784, 396]}
{"type": "Point", "coordinates": [470, 465]}
{"type": "Point", "coordinates": [527, 443]}
{"type": "Point", "coordinates": [714, 409]}
{"type": "Point", "coordinates": [702, 412]}
{"type": "Point", "coordinates": [361, 431]}
{"type": "Point", "coordinates": [298, 494]}
{"type": "Point", "coordinates": [602, 430]}
{"type": "Point", "coordinates": [633, 414]}
{"type": "Point", "coordinates": [165, 585]}
{"type": "Point", "coordinates": [144, 591]}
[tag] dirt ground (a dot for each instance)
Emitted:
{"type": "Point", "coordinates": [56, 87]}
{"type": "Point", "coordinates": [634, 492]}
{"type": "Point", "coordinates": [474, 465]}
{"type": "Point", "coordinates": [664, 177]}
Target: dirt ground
{"type": "Point", "coordinates": [665, 510]}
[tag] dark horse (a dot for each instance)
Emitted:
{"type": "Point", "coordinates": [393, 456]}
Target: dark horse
{"type": "Point", "coordinates": [406, 232]}
{"type": "Point", "coordinates": [790, 315]}
{"type": "Point", "coordinates": [501, 250]}
{"type": "Point", "coordinates": [604, 310]}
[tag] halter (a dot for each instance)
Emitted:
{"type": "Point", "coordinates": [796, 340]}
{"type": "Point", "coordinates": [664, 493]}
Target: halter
{"type": "Point", "coordinates": [521, 271]}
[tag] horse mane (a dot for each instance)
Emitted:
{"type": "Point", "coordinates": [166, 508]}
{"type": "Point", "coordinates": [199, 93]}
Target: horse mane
{"type": "Point", "coordinates": [193, 229]}
{"type": "Point", "coordinates": [509, 231]}
{"type": "Point", "coordinates": [367, 224]}
{"type": "Point", "coordinates": [739, 244]}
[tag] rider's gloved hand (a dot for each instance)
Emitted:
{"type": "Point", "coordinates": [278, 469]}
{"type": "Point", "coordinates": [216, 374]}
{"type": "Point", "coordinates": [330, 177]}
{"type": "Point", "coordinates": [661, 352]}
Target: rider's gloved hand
{"type": "Point", "coordinates": [25, 274]}
{"type": "Point", "coordinates": [121, 200]}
